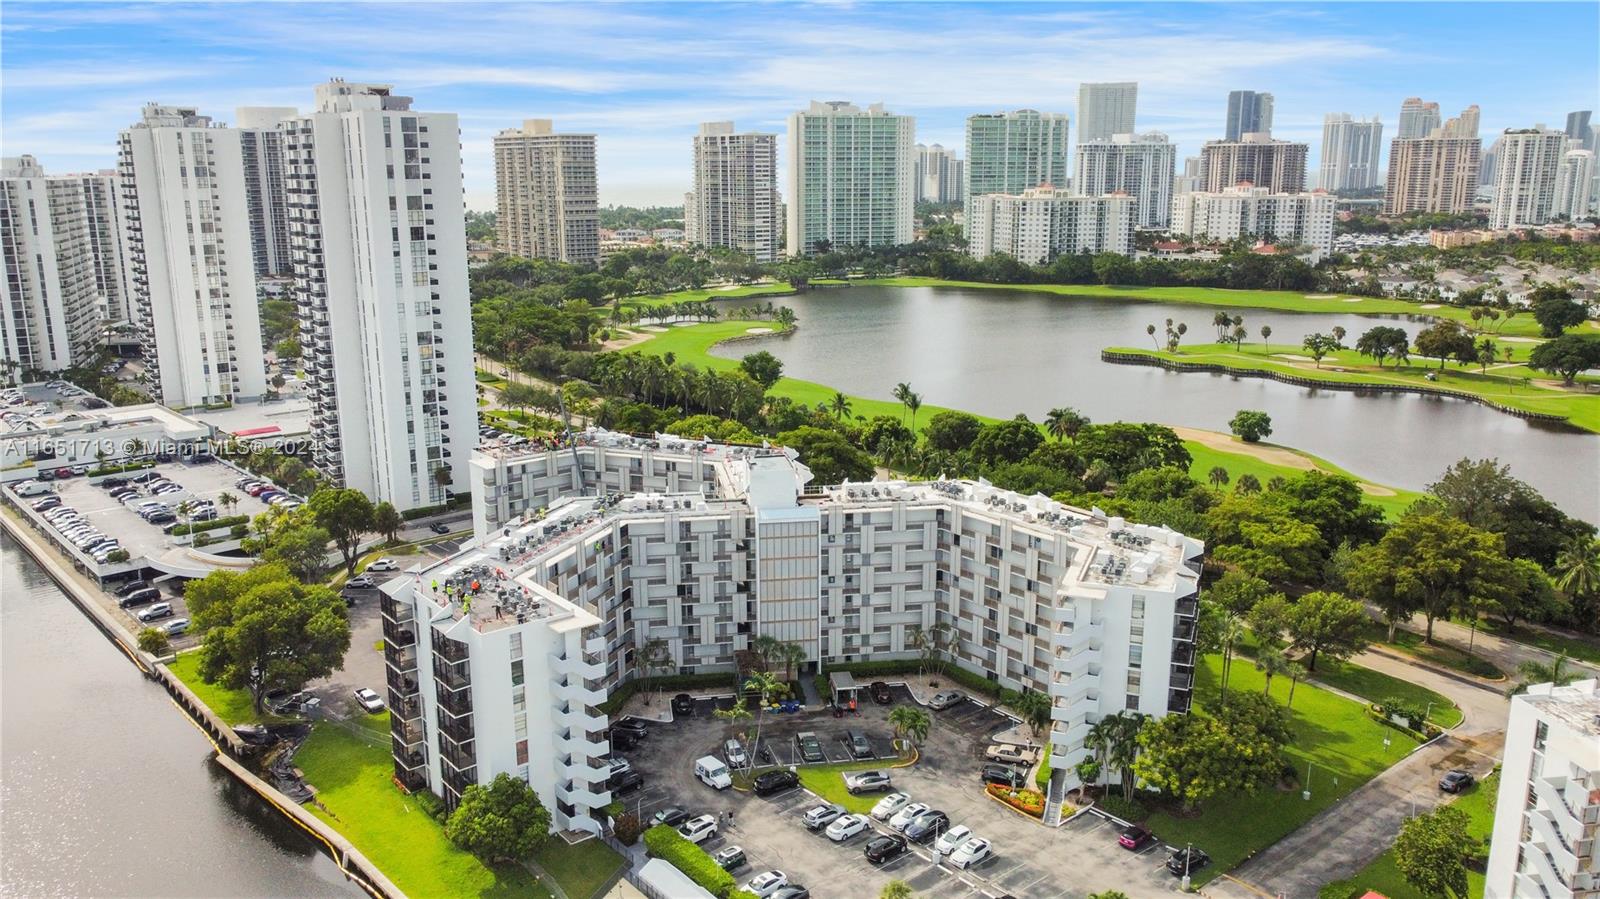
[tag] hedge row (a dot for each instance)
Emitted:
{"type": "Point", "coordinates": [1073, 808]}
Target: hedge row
{"type": "Point", "coordinates": [118, 469]}
{"type": "Point", "coordinates": [1377, 713]}
{"type": "Point", "coordinates": [461, 499]}
{"type": "Point", "coordinates": [668, 683]}
{"type": "Point", "coordinates": [666, 843]}
{"type": "Point", "coordinates": [213, 524]}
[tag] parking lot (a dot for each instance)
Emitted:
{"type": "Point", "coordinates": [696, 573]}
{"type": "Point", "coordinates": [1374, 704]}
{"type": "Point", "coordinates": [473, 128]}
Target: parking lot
{"type": "Point", "coordinates": [1030, 860]}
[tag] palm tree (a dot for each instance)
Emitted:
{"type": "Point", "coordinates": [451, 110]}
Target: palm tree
{"type": "Point", "coordinates": [839, 405]}
{"type": "Point", "coordinates": [896, 889]}
{"type": "Point", "coordinates": [1270, 662]}
{"type": "Point", "coordinates": [227, 500]}
{"type": "Point", "coordinates": [768, 649]}
{"type": "Point", "coordinates": [1034, 707]}
{"type": "Point", "coordinates": [1064, 423]}
{"type": "Point", "coordinates": [1266, 331]}
{"type": "Point", "coordinates": [792, 655]}
{"type": "Point", "coordinates": [1232, 633]}
{"type": "Point", "coordinates": [901, 391]}
{"type": "Point", "coordinates": [911, 722]}
{"type": "Point", "coordinates": [1556, 672]}
{"type": "Point", "coordinates": [1577, 567]}
{"type": "Point", "coordinates": [762, 683]}
{"type": "Point", "coordinates": [1296, 672]}
{"type": "Point", "coordinates": [1115, 738]}
{"type": "Point", "coordinates": [1218, 476]}
{"type": "Point", "coordinates": [736, 713]}
{"type": "Point", "coordinates": [1151, 330]}
{"type": "Point", "coordinates": [654, 656]}
{"type": "Point", "coordinates": [913, 402]}
{"type": "Point", "coordinates": [1247, 484]}
{"type": "Point", "coordinates": [929, 642]}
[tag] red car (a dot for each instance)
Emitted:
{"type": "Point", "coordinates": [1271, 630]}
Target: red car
{"type": "Point", "coordinates": [1135, 836]}
{"type": "Point", "coordinates": [258, 489]}
{"type": "Point", "coordinates": [63, 472]}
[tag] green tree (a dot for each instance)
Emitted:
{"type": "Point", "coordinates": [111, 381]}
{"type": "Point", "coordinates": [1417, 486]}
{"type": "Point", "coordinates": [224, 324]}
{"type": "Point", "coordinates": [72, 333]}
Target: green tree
{"type": "Point", "coordinates": [1318, 345]}
{"type": "Point", "coordinates": [1577, 568]}
{"type": "Point", "coordinates": [1218, 476]}
{"type": "Point", "coordinates": [1251, 425]}
{"type": "Point", "coordinates": [1006, 441]}
{"type": "Point", "coordinates": [1567, 356]}
{"type": "Point", "coordinates": [501, 821]}
{"type": "Point", "coordinates": [1192, 758]}
{"type": "Point", "coordinates": [387, 520]}
{"type": "Point", "coordinates": [763, 368]}
{"type": "Point", "coordinates": [840, 406]}
{"type": "Point", "coordinates": [1114, 740]}
{"type": "Point", "coordinates": [829, 454]}
{"type": "Point", "coordinates": [1269, 619]}
{"type": "Point", "coordinates": [1528, 595]}
{"type": "Point", "coordinates": [952, 431]}
{"type": "Point", "coordinates": [1064, 423]}
{"type": "Point", "coordinates": [1247, 483]}
{"type": "Point", "coordinates": [884, 431]}
{"type": "Point", "coordinates": [1557, 671]}
{"type": "Point", "coordinates": [910, 722]}
{"type": "Point", "coordinates": [1327, 624]}
{"type": "Point", "coordinates": [1431, 852]}
{"type": "Point", "coordinates": [1483, 493]}
{"type": "Point", "coordinates": [1262, 535]}
{"type": "Point", "coordinates": [301, 547]}
{"type": "Point", "coordinates": [1555, 310]}
{"type": "Point", "coordinates": [1034, 707]}
{"type": "Point", "coordinates": [896, 889]}
{"type": "Point", "coordinates": [519, 396]}
{"type": "Point", "coordinates": [1445, 340]}
{"type": "Point", "coordinates": [347, 515]}
{"type": "Point", "coordinates": [1382, 342]}
{"type": "Point", "coordinates": [1429, 562]}
{"type": "Point", "coordinates": [154, 640]}
{"type": "Point", "coordinates": [265, 630]}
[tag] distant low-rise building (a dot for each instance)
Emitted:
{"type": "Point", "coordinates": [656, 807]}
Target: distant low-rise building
{"type": "Point", "coordinates": [1249, 211]}
{"type": "Point", "coordinates": [1038, 225]}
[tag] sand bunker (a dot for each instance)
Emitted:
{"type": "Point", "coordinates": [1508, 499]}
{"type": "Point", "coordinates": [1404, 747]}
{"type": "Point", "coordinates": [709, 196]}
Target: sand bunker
{"type": "Point", "coordinates": [758, 330]}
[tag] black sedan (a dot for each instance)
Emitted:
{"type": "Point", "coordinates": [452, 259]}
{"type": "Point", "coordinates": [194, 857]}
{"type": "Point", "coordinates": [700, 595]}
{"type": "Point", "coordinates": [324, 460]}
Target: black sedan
{"type": "Point", "coordinates": [1187, 861]}
{"type": "Point", "coordinates": [626, 782]}
{"type": "Point", "coordinates": [439, 527]}
{"type": "Point", "coordinates": [775, 782]}
{"type": "Point", "coordinates": [927, 825]}
{"type": "Point", "coordinates": [683, 704]}
{"type": "Point", "coordinates": [1456, 781]}
{"type": "Point", "coordinates": [1005, 775]}
{"type": "Point", "coordinates": [631, 725]}
{"type": "Point", "coordinates": [671, 816]}
{"type": "Point", "coordinates": [883, 849]}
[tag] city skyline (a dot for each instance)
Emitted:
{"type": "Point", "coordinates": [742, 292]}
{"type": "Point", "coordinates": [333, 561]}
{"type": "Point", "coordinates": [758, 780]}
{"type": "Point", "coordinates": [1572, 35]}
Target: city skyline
{"type": "Point", "coordinates": [646, 96]}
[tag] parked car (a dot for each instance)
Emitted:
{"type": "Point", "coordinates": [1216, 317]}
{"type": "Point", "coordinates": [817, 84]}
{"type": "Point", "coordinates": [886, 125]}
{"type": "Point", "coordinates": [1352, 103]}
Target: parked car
{"type": "Point", "coordinates": [792, 891]}
{"type": "Point", "coordinates": [811, 747]}
{"type": "Point", "coordinates": [766, 883]}
{"type": "Point", "coordinates": [683, 704]}
{"type": "Point", "coordinates": [130, 587]}
{"type": "Point", "coordinates": [1012, 754]}
{"type": "Point", "coordinates": [369, 700]}
{"type": "Point", "coordinates": [671, 816]}
{"type": "Point", "coordinates": [770, 782]}
{"type": "Point", "coordinates": [730, 858]}
{"type": "Point", "coordinates": [1456, 781]}
{"type": "Point", "coordinates": [176, 627]}
{"type": "Point", "coordinates": [635, 726]}
{"type": "Point", "coordinates": [1003, 775]}
{"type": "Point", "coordinates": [698, 830]}
{"type": "Point", "coordinates": [846, 826]}
{"type": "Point", "coordinates": [822, 815]}
{"type": "Point", "coordinates": [384, 564]}
{"type": "Point", "coordinates": [866, 782]}
{"type": "Point", "coordinates": [140, 597]}
{"type": "Point", "coordinates": [880, 693]}
{"type": "Point", "coordinates": [860, 747]}
{"type": "Point", "coordinates": [952, 839]}
{"type": "Point", "coordinates": [439, 527]}
{"type": "Point", "coordinates": [157, 612]}
{"type": "Point", "coordinates": [1135, 836]}
{"type": "Point", "coordinates": [946, 699]}
{"type": "Point", "coordinates": [890, 804]}
{"type": "Point", "coordinates": [970, 853]}
{"type": "Point", "coordinates": [361, 582]}
{"type": "Point", "coordinates": [884, 848]}
{"type": "Point", "coordinates": [622, 740]}
{"type": "Point", "coordinates": [734, 753]}
{"type": "Point", "coordinates": [625, 782]}
{"type": "Point", "coordinates": [1187, 861]}
{"type": "Point", "coordinates": [926, 826]}
{"type": "Point", "coordinates": [903, 818]}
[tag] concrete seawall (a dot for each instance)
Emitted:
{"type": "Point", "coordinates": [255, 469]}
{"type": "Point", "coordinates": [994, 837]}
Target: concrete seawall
{"type": "Point", "coordinates": [229, 746]}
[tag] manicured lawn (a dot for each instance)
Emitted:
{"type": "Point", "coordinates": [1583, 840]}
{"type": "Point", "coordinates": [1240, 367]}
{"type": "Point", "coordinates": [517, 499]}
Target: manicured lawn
{"type": "Point", "coordinates": [1378, 687]}
{"type": "Point", "coordinates": [1333, 735]}
{"type": "Point", "coordinates": [827, 781]}
{"type": "Point", "coordinates": [1394, 503]}
{"type": "Point", "coordinates": [583, 869]}
{"type": "Point", "coordinates": [1574, 645]}
{"type": "Point", "coordinates": [353, 775]}
{"type": "Point", "coordinates": [1348, 367]}
{"type": "Point", "coordinates": [232, 706]}
{"type": "Point", "coordinates": [1382, 876]}
{"type": "Point", "coordinates": [1283, 300]}
{"type": "Point", "coordinates": [711, 293]}
{"type": "Point", "coordinates": [1438, 653]}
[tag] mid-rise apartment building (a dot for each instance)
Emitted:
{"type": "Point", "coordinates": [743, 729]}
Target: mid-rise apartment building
{"type": "Point", "coordinates": [378, 243]}
{"type": "Point", "coordinates": [1525, 177]}
{"type": "Point", "coordinates": [938, 176]}
{"type": "Point", "coordinates": [1547, 812]}
{"type": "Point", "coordinates": [1574, 183]}
{"type": "Point", "coordinates": [102, 213]}
{"type": "Point", "coordinates": [52, 305]}
{"type": "Point", "coordinates": [190, 261]}
{"type": "Point", "coordinates": [1042, 223]}
{"type": "Point", "coordinates": [1418, 118]}
{"type": "Point", "coordinates": [1249, 112]}
{"type": "Point", "coordinates": [614, 542]}
{"type": "Point", "coordinates": [1432, 174]}
{"type": "Point", "coordinates": [1298, 218]}
{"type": "Point", "coordinates": [850, 174]}
{"type": "Point", "coordinates": [734, 203]}
{"type": "Point", "coordinates": [261, 146]}
{"type": "Point", "coordinates": [1277, 165]}
{"type": "Point", "coordinates": [1105, 109]}
{"type": "Point", "coordinates": [1139, 165]}
{"type": "Point", "coordinates": [1010, 152]}
{"type": "Point", "coordinates": [1350, 150]}
{"type": "Point", "coordinates": [547, 194]}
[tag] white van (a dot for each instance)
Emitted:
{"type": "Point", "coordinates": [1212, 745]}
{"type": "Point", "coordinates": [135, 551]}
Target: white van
{"type": "Point", "coordinates": [31, 488]}
{"type": "Point", "coordinates": [712, 772]}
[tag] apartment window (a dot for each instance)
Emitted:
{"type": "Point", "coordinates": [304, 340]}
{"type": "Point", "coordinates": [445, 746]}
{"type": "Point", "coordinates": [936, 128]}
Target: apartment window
{"type": "Point", "coordinates": [516, 673]}
{"type": "Point", "coordinates": [1541, 732]}
{"type": "Point", "coordinates": [522, 752]}
{"type": "Point", "coordinates": [1135, 656]}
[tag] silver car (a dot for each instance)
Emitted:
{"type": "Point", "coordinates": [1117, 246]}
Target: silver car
{"type": "Point", "coordinates": [945, 699]}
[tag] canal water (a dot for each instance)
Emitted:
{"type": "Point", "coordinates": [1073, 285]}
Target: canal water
{"type": "Point", "coordinates": [106, 789]}
{"type": "Point", "coordinates": [1000, 352]}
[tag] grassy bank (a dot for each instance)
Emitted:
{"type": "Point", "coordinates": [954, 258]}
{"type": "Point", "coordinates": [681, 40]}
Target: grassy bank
{"type": "Point", "coordinates": [743, 291]}
{"type": "Point", "coordinates": [1412, 643]}
{"type": "Point", "coordinates": [232, 706]}
{"type": "Point", "coordinates": [1279, 300]}
{"type": "Point", "coordinates": [1383, 876]}
{"type": "Point", "coordinates": [1348, 367]}
{"type": "Point", "coordinates": [1379, 687]}
{"type": "Point", "coordinates": [692, 344]}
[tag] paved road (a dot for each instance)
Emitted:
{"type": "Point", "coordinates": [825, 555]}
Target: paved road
{"type": "Point", "coordinates": [1506, 654]}
{"type": "Point", "coordinates": [1346, 837]}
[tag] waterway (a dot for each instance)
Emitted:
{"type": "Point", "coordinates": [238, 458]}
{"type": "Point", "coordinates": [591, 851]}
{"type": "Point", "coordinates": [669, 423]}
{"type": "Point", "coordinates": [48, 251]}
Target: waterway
{"type": "Point", "coordinates": [106, 788]}
{"type": "Point", "coordinates": [1000, 352]}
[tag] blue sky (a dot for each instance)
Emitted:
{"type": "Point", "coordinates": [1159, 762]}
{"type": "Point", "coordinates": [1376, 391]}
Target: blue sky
{"type": "Point", "coordinates": [644, 75]}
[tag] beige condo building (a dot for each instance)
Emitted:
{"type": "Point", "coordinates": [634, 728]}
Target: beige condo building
{"type": "Point", "coordinates": [547, 198]}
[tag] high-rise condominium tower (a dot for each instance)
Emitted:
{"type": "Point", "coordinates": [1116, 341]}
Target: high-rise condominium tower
{"type": "Point", "coordinates": [548, 201]}
{"type": "Point", "coordinates": [1105, 109]}
{"type": "Point", "coordinates": [1418, 118]}
{"type": "Point", "coordinates": [1350, 149]}
{"type": "Point", "coordinates": [1574, 182]}
{"type": "Point", "coordinates": [850, 172]}
{"type": "Point", "coordinates": [1139, 165]}
{"type": "Point", "coordinates": [380, 280]}
{"type": "Point", "coordinates": [938, 175]}
{"type": "Point", "coordinates": [51, 243]}
{"type": "Point", "coordinates": [261, 146]}
{"type": "Point", "coordinates": [1578, 127]}
{"type": "Point", "coordinates": [191, 266]}
{"type": "Point", "coordinates": [1249, 112]}
{"type": "Point", "coordinates": [1279, 166]}
{"type": "Point", "coordinates": [1525, 177]}
{"type": "Point", "coordinates": [735, 198]}
{"type": "Point", "coordinates": [1009, 152]}
{"type": "Point", "coordinates": [1436, 171]}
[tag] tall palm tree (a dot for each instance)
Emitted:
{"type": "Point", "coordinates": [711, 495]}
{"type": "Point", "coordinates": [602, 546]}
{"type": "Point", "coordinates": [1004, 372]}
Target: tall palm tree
{"type": "Point", "coordinates": [1064, 423]}
{"type": "Point", "coordinates": [1578, 567]}
{"type": "Point", "coordinates": [1266, 332]}
{"type": "Point", "coordinates": [1218, 476]}
{"type": "Point", "coordinates": [911, 722]}
{"type": "Point", "coordinates": [913, 402]}
{"type": "Point", "coordinates": [840, 405]}
{"type": "Point", "coordinates": [901, 391]}
{"type": "Point", "coordinates": [792, 655]}
{"type": "Point", "coordinates": [1271, 662]}
{"type": "Point", "coordinates": [1557, 672]}
{"type": "Point", "coordinates": [1296, 672]}
{"type": "Point", "coordinates": [1151, 330]}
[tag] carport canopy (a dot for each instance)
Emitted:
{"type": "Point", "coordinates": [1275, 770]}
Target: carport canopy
{"type": "Point", "coordinates": [842, 684]}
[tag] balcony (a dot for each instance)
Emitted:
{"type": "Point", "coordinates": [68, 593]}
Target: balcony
{"type": "Point", "coordinates": [456, 702]}
{"type": "Point", "coordinates": [401, 684]}
{"type": "Point", "coordinates": [590, 744]}
{"type": "Point", "coordinates": [408, 756]}
{"type": "Point", "coordinates": [578, 795]}
{"type": "Point", "coordinates": [588, 666]}
{"type": "Point", "coordinates": [461, 758]}
{"type": "Point", "coordinates": [406, 733]}
{"type": "Point", "coordinates": [455, 676]}
{"type": "Point", "coordinates": [448, 649]}
{"type": "Point", "coordinates": [402, 659]}
{"type": "Point", "coordinates": [581, 691]}
{"type": "Point", "coordinates": [398, 634]}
